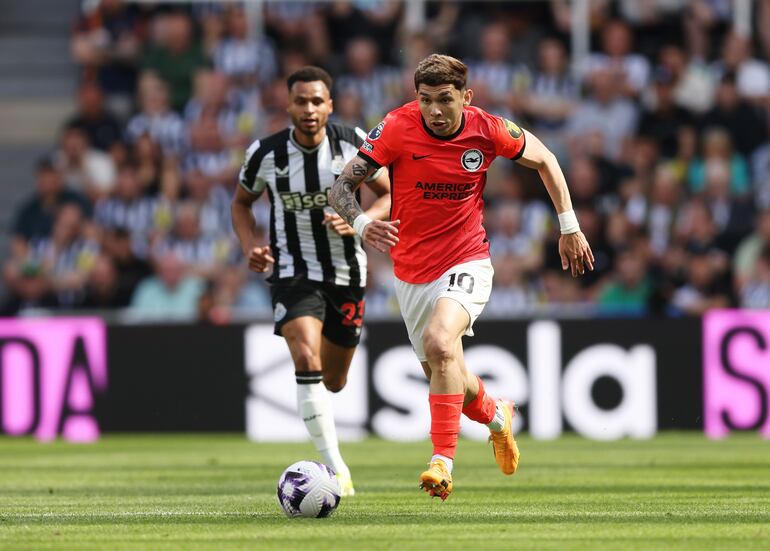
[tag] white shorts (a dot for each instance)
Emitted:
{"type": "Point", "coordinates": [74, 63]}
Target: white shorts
{"type": "Point", "coordinates": [469, 283]}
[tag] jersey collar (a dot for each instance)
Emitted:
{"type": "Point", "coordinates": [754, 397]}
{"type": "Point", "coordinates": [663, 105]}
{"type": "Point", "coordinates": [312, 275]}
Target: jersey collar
{"type": "Point", "coordinates": [302, 147]}
{"type": "Point", "coordinates": [452, 136]}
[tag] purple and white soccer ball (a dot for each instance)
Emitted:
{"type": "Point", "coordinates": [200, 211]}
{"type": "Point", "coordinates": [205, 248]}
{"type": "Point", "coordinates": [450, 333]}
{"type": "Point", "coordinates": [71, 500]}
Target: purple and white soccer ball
{"type": "Point", "coordinates": [308, 489]}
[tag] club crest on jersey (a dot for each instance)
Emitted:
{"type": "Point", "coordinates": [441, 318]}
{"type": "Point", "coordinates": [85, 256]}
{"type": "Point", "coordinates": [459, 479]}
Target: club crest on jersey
{"type": "Point", "coordinates": [376, 131]}
{"type": "Point", "coordinates": [338, 164]}
{"type": "Point", "coordinates": [279, 313]}
{"type": "Point", "coordinates": [512, 128]}
{"type": "Point", "coordinates": [472, 159]}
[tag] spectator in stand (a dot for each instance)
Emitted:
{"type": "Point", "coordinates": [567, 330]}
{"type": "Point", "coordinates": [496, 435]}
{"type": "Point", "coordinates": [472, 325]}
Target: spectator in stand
{"type": "Point", "coordinates": [155, 118]}
{"type": "Point", "coordinates": [663, 122]}
{"type": "Point", "coordinates": [592, 226]}
{"type": "Point", "coordinates": [107, 43]}
{"type": "Point", "coordinates": [705, 288]}
{"type": "Point", "coordinates": [34, 219]}
{"type": "Point", "coordinates": [248, 62]}
{"type": "Point", "coordinates": [27, 288]}
{"type": "Point", "coordinates": [755, 292]}
{"type": "Point", "coordinates": [217, 128]}
{"type": "Point", "coordinates": [175, 55]}
{"type": "Point", "coordinates": [378, 86]}
{"type": "Point", "coordinates": [552, 96]}
{"type": "Point", "coordinates": [630, 70]}
{"type": "Point", "coordinates": [760, 172]}
{"type": "Point", "coordinates": [101, 126]}
{"type": "Point", "coordinates": [752, 76]}
{"type": "Point", "coordinates": [697, 233]}
{"type": "Point", "coordinates": [630, 289]}
{"type": "Point", "coordinates": [718, 149]}
{"type": "Point", "coordinates": [102, 289]}
{"type": "Point", "coordinates": [733, 216]}
{"type": "Point", "coordinates": [561, 291]}
{"type": "Point", "coordinates": [84, 169]}
{"type": "Point", "coordinates": [234, 295]}
{"type": "Point", "coordinates": [494, 77]}
{"type": "Point", "coordinates": [128, 209]}
{"type": "Point", "coordinates": [514, 292]}
{"type": "Point", "coordinates": [706, 21]}
{"type": "Point", "coordinates": [376, 20]}
{"type": "Point", "coordinates": [693, 81]}
{"type": "Point", "coordinates": [585, 183]}
{"type": "Point", "coordinates": [288, 22]}
{"type": "Point", "coordinates": [349, 109]}
{"type": "Point", "coordinates": [172, 293]}
{"type": "Point", "coordinates": [746, 124]}
{"type": "Point", "coordinates": [67, 257]}
{"type": "Point", "coordinates": [213, 204]}
{"type": "Point", "coordinates": [510, 239]}
{"type": "Point", "coordinates": [117, 244]}
{"type": "Point", "coordinates": [605, 116]}
{"type": "Point", "coordinates": [147, 158]}
{"type": "Point", "coordinates": [203, 256]}
{"type": "Point", "coordinates": [662, 210]}
{"type": "Point", "coordinates": [750, 248]}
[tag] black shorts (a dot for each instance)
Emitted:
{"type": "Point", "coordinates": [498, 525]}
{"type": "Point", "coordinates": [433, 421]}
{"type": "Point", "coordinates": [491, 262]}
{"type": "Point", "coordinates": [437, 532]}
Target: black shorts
{"type": "Point", "coordinates": [341, 309]}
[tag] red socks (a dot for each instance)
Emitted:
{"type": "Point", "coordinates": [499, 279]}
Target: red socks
{"type": "Point", "coordinates": [482, 408]}
{"type": "Point", "coordinates": [445, 411]}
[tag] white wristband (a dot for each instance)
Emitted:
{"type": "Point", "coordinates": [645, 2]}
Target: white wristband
{"type": "Point", "coordinates": [360, 222]}
{"type": "Point", "coordinates": [568, 222]}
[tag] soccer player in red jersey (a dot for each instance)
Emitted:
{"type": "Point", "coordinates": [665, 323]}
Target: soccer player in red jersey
{"type": "Point", "coordinates": [437, 150]}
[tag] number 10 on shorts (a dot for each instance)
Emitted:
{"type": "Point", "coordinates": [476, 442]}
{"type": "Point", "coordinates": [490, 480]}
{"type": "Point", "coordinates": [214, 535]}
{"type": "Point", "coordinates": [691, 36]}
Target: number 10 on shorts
{"type": "Point", "coordinates": [462, 281]}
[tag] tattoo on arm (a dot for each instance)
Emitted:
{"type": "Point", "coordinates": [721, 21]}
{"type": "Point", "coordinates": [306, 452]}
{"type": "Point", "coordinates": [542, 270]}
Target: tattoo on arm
{"type": "Point", "coordinates": [342, 195]}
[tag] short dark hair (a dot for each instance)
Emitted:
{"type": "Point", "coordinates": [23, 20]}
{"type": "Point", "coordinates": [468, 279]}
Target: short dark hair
{"type": "Point", "coordinates": [310, 73]}
{"type": "Point", "coordinates": [45, 164]}
{"type": "Point", "coordinates": [438, 69]}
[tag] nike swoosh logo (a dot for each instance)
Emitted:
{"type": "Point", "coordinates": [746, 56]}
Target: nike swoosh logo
{"type": "Point", "coordinates": [417, 158]}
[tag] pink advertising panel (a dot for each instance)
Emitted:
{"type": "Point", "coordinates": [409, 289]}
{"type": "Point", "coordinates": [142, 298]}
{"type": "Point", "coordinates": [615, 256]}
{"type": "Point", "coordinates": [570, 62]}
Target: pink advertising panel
{"type": "Point", "coordinates": [736, 378]}
{"type": "Point", "coordinates": [50, 373]}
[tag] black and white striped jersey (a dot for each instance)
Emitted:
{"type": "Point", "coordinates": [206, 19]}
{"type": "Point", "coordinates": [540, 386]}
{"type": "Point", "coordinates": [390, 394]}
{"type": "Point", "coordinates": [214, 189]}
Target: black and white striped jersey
{"type": "Point", "coordinates": [298, 180]}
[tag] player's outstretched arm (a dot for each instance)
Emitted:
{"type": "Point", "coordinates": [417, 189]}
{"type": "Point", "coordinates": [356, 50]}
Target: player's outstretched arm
{"type": "Point", "coordinates": [574, 249]}
{"type": "Point", "coordinates": [245, 227]}
{"type": "Point", "coordinates": [379, 234]}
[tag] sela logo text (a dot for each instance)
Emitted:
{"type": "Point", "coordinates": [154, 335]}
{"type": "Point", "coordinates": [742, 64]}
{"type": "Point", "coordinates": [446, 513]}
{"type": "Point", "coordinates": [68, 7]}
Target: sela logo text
{"type": "Point", "coordinates": [736, 375]}
{"type": "Point", "coordinates": [295, 201]}
{"type": "Point", "coordinates": [553, 392]}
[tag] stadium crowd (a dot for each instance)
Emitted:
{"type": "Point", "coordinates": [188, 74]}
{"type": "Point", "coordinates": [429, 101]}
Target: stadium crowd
{"type": "Point", "coordinates": [663, 133]}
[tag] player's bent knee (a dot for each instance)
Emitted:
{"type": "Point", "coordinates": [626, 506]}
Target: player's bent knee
{"type": "Point", "coordinates": [438, 348]}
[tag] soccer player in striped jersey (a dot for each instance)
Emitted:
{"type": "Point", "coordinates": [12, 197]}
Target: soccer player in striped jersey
{"type": "Point", "coordinates": [438, 149]}
{"type": "Point", "coordinates": [318, 264]}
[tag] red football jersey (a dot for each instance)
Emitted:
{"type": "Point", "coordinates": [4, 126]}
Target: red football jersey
{"type": "Point", "coordinates": [436, 186]}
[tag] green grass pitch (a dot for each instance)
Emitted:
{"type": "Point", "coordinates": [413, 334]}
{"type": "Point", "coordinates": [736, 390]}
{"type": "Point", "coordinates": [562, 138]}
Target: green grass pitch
{"type": "Point", "coordinates": [190, 492]}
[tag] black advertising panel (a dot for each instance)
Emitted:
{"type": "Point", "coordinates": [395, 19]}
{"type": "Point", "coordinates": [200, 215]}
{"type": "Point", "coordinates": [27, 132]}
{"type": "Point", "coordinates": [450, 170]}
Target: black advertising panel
{"type": "Point", "coordinates": [174, 378]}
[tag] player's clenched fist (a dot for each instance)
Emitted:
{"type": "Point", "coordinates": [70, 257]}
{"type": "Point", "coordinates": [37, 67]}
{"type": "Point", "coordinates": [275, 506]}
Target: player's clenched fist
{"type": "Point", "coordinates": [338, 225]}
{"type": "Point", "coordinates": [260, 258]}
{"type": "Point", "coordinates": [381, 235]}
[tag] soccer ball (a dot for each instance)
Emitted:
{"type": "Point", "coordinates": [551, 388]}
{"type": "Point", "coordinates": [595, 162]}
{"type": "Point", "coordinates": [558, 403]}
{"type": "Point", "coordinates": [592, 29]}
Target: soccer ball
{"type": "Point", "coordinates": [308, 489]}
